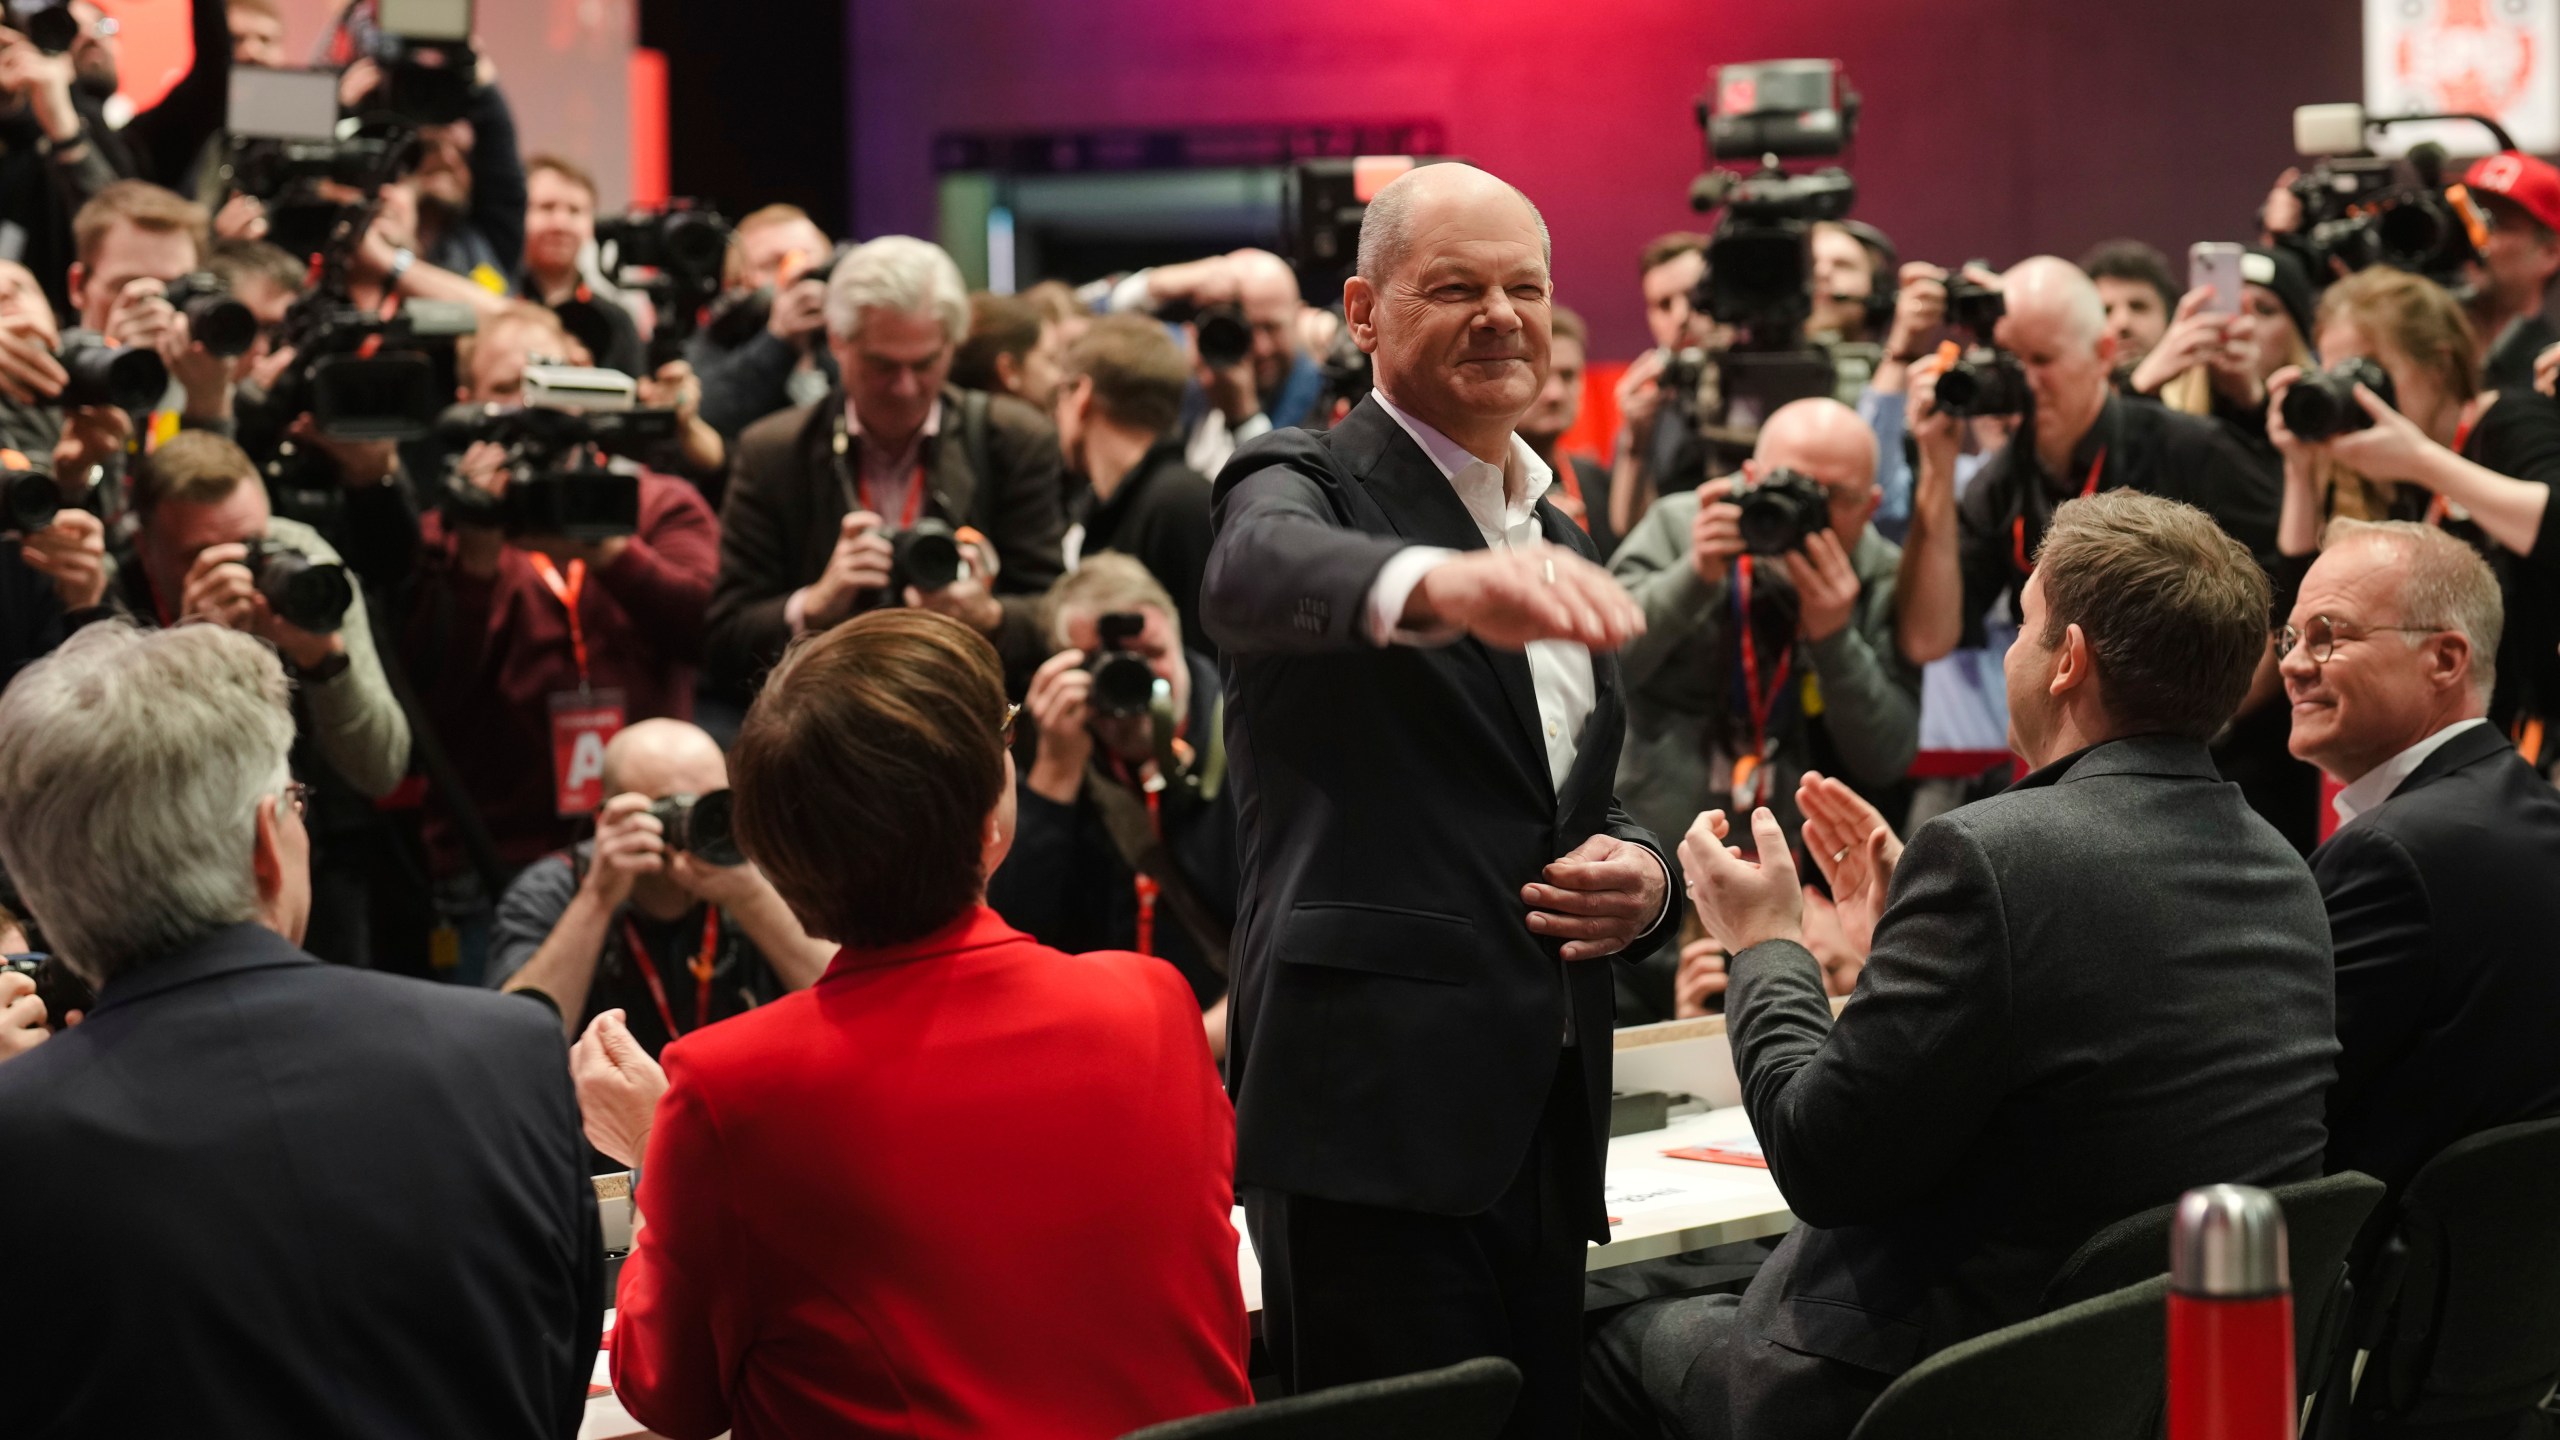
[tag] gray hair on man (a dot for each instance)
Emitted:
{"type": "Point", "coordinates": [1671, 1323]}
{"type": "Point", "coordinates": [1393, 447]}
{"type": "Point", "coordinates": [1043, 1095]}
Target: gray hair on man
{"type": "Point", "coordinates": [897, 273]}
{"type": "Point", "coordinates": [130, 783]}
{"type": "Point", "coordinates": [2041, 281]}
{"type": "Point", "coordinates": [1386, 227]}
{"type": "Point", "coordinates": [2442, 582]}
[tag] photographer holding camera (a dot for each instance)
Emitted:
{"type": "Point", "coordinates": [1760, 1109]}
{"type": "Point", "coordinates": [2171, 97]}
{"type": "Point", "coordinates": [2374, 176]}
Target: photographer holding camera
{"type": "Point", "coordinates": [777, 267]}
{"type": "Point", "coordinates": [134, 240]}
{"type": "Point", "coordinates": [658, 916]}
{"type": "Point", "coordinates": [1768, 647]}
{"type": "Point", "coordinates": [1110, 851]}
{"type": "Point", "coordinates": [529, 651]}
{"type": "Point", "coordinates": [1653, 423]}
{"type": "Point", "coordinates": [1268, 383]}
{"type": "Point", "coordinates": [467, 172]}
{"type": "Point", "coordinates": [2429, 426]}
{"type": "Point", "coordinates": [1119, 402]}
{"type": "Point", "coordinates": [900, 490]}
{"type": "Point", "coordinates": [207, 549]}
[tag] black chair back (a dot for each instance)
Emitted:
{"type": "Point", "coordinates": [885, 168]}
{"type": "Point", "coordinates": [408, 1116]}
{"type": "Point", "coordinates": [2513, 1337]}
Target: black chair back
{"type": "Point", "coordinates": [2461, 1304]}
{"type": "Point", "coordinates": [2321, 1220]}
{"type": "Point", "coordinates": [2094, 1370]}
{"type": "Point", "coordinates": [1466, 1401]}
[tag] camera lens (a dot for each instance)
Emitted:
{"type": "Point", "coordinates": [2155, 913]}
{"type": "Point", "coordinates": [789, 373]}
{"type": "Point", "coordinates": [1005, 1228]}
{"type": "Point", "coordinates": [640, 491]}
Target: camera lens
{"type": "Point", "coordinates": [672, 812]}
{"type": "Point", "coordinates": [1223, 337]}
{"type": "Point", "coordinates": [929, 556]}
{"type": "Point", "coordinates": [711, 830]}
{"type": "Point", "coordinates": [1122, 684]}
{"type": "Point", "coordinates": [1782, 512]}
{"type": "Point", "coordinates": [33, 501]}
{"type": "Point", "coordinates": [305, 595]}
{"type": "Point", "coordinates": [103, 373]}
{"type": "Point", "coordinates": [2323, 404]}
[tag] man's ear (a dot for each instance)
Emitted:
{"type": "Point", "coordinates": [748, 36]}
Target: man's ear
{"type": "Point", "coordinates": [2449, 660]}
{"type": "Point", "coordinates": [1360, 311]}
{"type": "Point", "coordinates": [2107, 348]}
{"type": "Point", "coordinates": [79, 282]}
{"type": "Point", "coordinates": [266, 856]}
{"type": "Point", "coordinates": [2072, 667]}
{"type": "Point", "coordinates": [1008, 371]}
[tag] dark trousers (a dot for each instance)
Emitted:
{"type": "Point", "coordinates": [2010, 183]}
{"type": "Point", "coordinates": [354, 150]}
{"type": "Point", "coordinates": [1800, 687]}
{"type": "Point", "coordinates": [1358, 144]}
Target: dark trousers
{"type": "Point", "coordinates": [1358, 1292]}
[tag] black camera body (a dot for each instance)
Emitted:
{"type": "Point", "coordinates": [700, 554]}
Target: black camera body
{"type": "Point", "coordinates": [1760, 256]}
{"type": "Point", "coordinates": [1984, 382]}
{"type": "Point", "coordinates": [61, 991]}
{"type": "Point", "coordinates": [222, 325]}
{"type": "Point", "coordinates": [29, 498]}
{"type": "Point", "coordinates": [675, 255]}
{"type": "Point", "coordinates": [2358, 212]}
{"type": "Point", "coordinates": [702, 826]}
{"type": "Point", "coordinates": [1123, 683]}
{"type": "Point", "coordinates": [286, 174]}
{"type": "Point", "coordinates": [558, 481]}
{"type": "Point", "coordinates": [1782, 511]}
{"type": "Point", "coordinates": [1219, 332]}
{"type": "Point", "coordinates": [362, 377]}
{"type": "Point", "coordinates": [103, 372]}
{"type": "Point", "coordinates": [306, 594]}
{"type": "Point", "coordinates": [2322, 403]}
{"type": "Point", "coordinates": [925, 555]}
{"type": "Point", "coordinates": [1972, 306]}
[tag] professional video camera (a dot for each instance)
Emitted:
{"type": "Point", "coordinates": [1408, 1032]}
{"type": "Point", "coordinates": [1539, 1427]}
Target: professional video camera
{"type": "Point", "coordinates": [429, 69]}
{"type": "Point", "coordinates": [2322, 403]}
{"type": "Point", "coordinates": [703, 826]}
{"type": "Point", "coordinates": [1781, 512]}
{"type": "Point", "coordinates": [304, 593]}
{"type": "Point", "coordinates": [674, 255]}
{"type": "Point", "coordinates": [103, 372]}
{"type": "Point", "coordinates": [2358, 212]}
{"type": "Point", "coordinates": [558, 444]}
{"type": "Point", "coordinates": [363, 377]}
{"type": "Point", "coordinates": [1980, 378]}
{"type": "Point", "coordinates": [1123, 683]}
{"type": "Point", "coordinates": [1759, 275]}
{"type": "Point", "coordinates": [1324, 202]}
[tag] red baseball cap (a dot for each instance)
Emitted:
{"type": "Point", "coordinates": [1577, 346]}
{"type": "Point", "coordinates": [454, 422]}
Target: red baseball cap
{"type": "Point", "coordinates": [2533, 185]}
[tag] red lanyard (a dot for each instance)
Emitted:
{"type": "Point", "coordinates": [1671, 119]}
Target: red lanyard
{"type": "Point", "coordinates": [915, 498]}
{"type": "Point", "coordinates": [567, 591]}
{"type": "Point", "coordinates": [2439, 507]}
{"type": "Point", "coordinates": [1757, 703]}
{"type": "Point", "coordinates": [2018, 527]}
{"type": "Point", "coordinates": [700, 965]}
{"type": "Point", "coordinates": [1146, 884]}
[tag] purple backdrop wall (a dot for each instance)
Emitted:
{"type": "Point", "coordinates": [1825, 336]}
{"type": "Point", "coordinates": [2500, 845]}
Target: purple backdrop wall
{"type": "Point", "coordinates": [1992, 127]}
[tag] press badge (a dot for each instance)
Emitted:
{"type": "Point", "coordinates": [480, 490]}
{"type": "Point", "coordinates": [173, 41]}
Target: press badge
{"type": "Point", "coordinates": [583, 722]}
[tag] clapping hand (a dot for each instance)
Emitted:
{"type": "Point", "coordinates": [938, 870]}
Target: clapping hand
{"type": "Point", "coordinates": [1741, 902]}
{"type": "Point", "coordinates": [1855, 850]}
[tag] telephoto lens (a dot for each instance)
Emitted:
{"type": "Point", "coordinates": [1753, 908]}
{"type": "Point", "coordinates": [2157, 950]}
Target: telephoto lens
{"type": "Point", "coordinates": [105, 373]}
{"type": "Point", "coordinates": [222, 325]}
{"type": "Point", "coordinates": [2323, 404]}
{"type": "Point", "coordinates": [303, 594]}
{"type": "Point", "coordinates": [1782, 512]}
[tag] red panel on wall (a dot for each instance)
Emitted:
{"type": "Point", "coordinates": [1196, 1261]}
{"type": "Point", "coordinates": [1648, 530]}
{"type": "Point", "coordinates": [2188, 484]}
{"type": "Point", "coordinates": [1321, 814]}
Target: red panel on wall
{"type": "Point", "coordinates": [155, 48]}
{"type": "Point", "coordinates": [648, 127]}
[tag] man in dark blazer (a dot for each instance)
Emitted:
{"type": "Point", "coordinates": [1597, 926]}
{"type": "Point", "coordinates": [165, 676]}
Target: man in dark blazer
{"type": "Point", "coordinates": [256, 1194]}
{"type": "Point", "coordinates": [2440, 878]}
{"type": "Point", "coordinates": [2087, 994]}
{"type": "Point", "coordinates": [819, 493]}
{"type": "Point", "coordinates": [1423, 722]}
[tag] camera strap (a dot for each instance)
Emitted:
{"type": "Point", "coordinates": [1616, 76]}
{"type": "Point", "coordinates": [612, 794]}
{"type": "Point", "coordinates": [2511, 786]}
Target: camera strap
{"type": "Point", "coordinates": [1750, 772]}
{"type": "Point", "coordinates": [2018, 525]}
{"type": "Point", "coordinates": [567, 591]}
{"type": "Point", "coordinates": [1132, 816]}
{"type": "Point", "coordinates": [701, 967]}
{"type": "Point", "coordinates": [2439, 507]}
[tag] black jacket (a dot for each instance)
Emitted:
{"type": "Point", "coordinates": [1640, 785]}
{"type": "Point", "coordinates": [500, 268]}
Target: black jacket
{"type": "Point", "coordinates": [786, 504]}
{"type": "Point", "coordinates": [2089, 993]}
{"type": "Point", "coordinates": [1395, 1026]}
{"type": "Point", "coordinates": [1160, 516]}
{"type": "Point", "coordinates": [266, 1196]}
{"type": "Point", "coordinates": [2444, 910]}
{"type": "Point", "coordinates": [1066, 885]}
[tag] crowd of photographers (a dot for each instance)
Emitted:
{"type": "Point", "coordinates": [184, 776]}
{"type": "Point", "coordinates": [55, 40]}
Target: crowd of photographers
{"type": "Point", "coordinates": [529, 501]}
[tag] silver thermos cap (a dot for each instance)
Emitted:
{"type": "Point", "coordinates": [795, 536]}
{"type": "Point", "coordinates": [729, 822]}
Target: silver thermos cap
{"type": "Point", "coordinates": [2228, 1242]}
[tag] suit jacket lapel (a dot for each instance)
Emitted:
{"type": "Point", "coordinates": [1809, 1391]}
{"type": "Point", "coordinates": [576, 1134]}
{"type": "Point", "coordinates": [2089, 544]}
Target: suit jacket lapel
{"type": "Point", "coordinates": [954, 488]}
{"type": "Point", "coordinates": [2472, 745]}
{"type": "Point", "coordinates": [1425, 509]}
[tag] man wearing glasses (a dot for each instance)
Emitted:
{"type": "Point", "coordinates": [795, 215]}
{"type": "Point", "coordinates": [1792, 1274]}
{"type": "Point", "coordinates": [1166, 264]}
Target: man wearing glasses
{"type": "Point", "coordinates": [2438, 880]}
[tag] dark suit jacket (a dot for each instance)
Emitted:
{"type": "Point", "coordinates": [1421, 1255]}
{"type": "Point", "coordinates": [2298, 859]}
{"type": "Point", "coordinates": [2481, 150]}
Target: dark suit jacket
{"type": "Point", "coordinates": [786, 504]}
{"type": "Point", "coordinates": [2445, 910]}
{"type": "Point", "coordinates": [2089, 993]}
{"type": "Point", "coordinates": [258, 1195]}
{"type": "Point", "coordinates": [1395, 1025]}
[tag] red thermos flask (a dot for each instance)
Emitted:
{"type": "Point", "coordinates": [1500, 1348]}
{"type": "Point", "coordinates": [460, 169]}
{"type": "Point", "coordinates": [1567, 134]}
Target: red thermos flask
{"type": "Point", "coordinates": [2230, 1318]}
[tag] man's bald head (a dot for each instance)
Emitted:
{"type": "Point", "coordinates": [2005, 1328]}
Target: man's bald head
{"type": "Point", "coordinates": [1430, 195]}
{"type": "Point", "coordinates": [659, 758]}
{"type": "Point", "coordinates": [1821, 438]}
{"type": "Point", "coordinates": [2049, 290]}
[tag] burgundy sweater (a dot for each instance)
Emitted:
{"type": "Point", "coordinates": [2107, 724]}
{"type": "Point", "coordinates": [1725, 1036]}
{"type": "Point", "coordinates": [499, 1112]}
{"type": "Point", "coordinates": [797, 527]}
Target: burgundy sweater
{"type": "Point", "coordinates": [487, 656]}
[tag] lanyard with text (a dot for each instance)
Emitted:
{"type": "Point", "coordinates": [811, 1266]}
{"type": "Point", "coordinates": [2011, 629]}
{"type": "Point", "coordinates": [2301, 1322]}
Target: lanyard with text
{"type": "Point", "coordinates": [2439, 507]}
{"type": "Point", "coordinates": [700, 965]}
{"type": "Point", "coordinates": [2018, 527]}
{"type": "Point", "coordinates": [568, 591]}
{"type": "Point", "coordinates": [1750, 779]}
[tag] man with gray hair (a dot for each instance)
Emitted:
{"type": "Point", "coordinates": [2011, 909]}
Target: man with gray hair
{"type": "Point", "coordinates": [305, 1198]}
{"type": "Point", "coordinates": [2438, 879]}
{"type": "Point", "coordinates": [1424, 713]}
{"type": "Point", "coordinates": [827, 499]}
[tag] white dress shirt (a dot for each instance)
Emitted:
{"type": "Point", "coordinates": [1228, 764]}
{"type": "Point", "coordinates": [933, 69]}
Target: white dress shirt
{"type": "Point", "coordinates": [2375, 785]}
{"type": "Point", "coordinates": [1503, 500]}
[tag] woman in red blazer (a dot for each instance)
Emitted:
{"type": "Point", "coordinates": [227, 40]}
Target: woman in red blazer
{"type": "Point", "coordinates": [965, 1184]}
